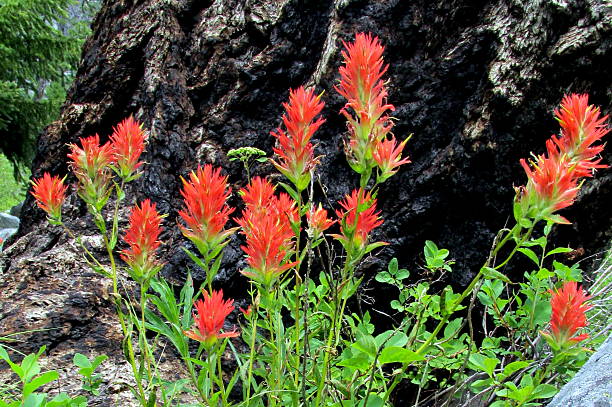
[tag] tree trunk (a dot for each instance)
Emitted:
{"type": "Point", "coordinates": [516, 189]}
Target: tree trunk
{"type": "Point", "coordinates": [475, 82]}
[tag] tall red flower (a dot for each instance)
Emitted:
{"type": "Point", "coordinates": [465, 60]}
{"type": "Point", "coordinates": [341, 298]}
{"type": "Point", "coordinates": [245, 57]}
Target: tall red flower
{"type": "Point", "coordinates": [268, 224]}
{"type": "Point", "coordinates": [128, 143]}
{"type": "Point", "coordinates": [295, 152]}
{"type": "Point", "coordinates": [142, 237]}
{"type": "Point", "coordinates": [568, 315]}
{"type": "Point", "coordinates": [205, 210]}
{"type": "Point", "coordinates": [581, 127]}
{"type": "Point", "coordinates": [91, 165]}
{"type": "Point", "coordinates": [366, 108]}
{"type": "Point", "coordinates": [388, 156]}
{"type": "Point", "coordinates": [50, 192]}
{"type": "Point", "coordinates": [357, 219]}
{"type": "Point", "coordinates": [209, 318]}
{"type": "Point", "coordinates": [554, 177]}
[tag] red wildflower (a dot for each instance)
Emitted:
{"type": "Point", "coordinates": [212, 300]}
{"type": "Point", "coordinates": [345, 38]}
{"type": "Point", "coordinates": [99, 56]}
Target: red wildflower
{"type": "Point", "coordinates": [357, 220]}
{"type": "Point", "coordinates": [267, 223]}
{"type": "Point", "coordinates": [205, 210]}
{"type": "Point", "coordinates": [568, 315]}
{"type": "Point", "coordinates": [90, 164]}
{"type": "Point", "coordinates": [581, 126]}
{"type": "Point", "coordinates": [295, 151]}
{"type": "Point", "coordinates": [318, 222]}
{"type": "Point", "coordinates": [388, 156]}
{"type": "Point", "coordinates": [128, 143]}
{"type": "Point", "coordinates": [50, 193]}
{"type": "Point", "coordinates": [142, 236]}
{"type": "Point", "coordinates": [209, 318]}
{"type": "Point", "coordinates": [554, 178]}
{"type": "Point", "coordinates": [247, 312]}
{"type": "Point", "coordinates": [362, 85]}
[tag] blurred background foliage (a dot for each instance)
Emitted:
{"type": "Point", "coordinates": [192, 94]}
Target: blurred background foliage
{"type": "Point", "coordinates": [40, 48]}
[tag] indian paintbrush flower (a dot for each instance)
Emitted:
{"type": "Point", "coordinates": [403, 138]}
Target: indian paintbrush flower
{"type": "Point", "coordinates": [209, 317]}
{"type": "Point", "coordinates": [128, 143]}
{"type": "Point", "coordinates": [357, 219]}
{"type": "Point", "coordinates": [554, 177]}
{"type": "Point", "coordinates": [581, 126]}
{"type": "Point", "coordinates": [388, 157]}
{"type": "Point", "coordinates": [50, 192]}
{"type": "Point", "coordinates": [205, 210]}
{"type": "Point", "coordinates": [90, 163]}
{"type": "Point", "coordinates": [142, 237]}
{"type": "Point", "coordinates": [267, 223]}
{"type": "Point", "coordinates": [318, 222]}
{"type": "Point", "coordinates": [295, 152]}
{"type": "Point", "coordinates": [366, 108]}
{"type": "Point", "coordinates": [568, 316]}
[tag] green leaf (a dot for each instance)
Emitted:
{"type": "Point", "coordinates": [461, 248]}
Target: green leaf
{"type": "Point", "coordinates": [384, 277]}
{"type": "Point", "coordinates": [402, 274]}
{"type": "Point", "coordinates": [393, 266]}
{"type": "Point", "coordinates": [492, 274]}
{"type": "Point", "coordinates": [396, 354]}
{"type": "Point", "coordinates": [359, 362]}
{"type": "Point", "coordinates": [559, 250]}
{"type": "Point", "coordinates": [391, 338]}
{"type": "Point", "coordinates": [35, 400]}
{"type": "Point", "coordinates": [374, 400]}
{"type": "Point", "coordinates": [39, 381]}
{"type": "Point", "coordinates": [529, 253]}
{"type": "Point", "coordinates": [81, 360]}
{"type": "Point", "coordinates": [366, 344]}
{"type": "Point", "coordinates": [514, 366]}
{"type": "Point", "coordinates": [544, 391]}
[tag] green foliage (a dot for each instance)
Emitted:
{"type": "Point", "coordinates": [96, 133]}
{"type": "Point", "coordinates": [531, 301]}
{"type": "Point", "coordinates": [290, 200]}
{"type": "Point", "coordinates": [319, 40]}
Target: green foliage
{"type": "Point", "coordinates": [11, 191]}
{"type": "Point", "coordinates": [39, 53]}
{"type": "Point", "coordinates": [25, 392]}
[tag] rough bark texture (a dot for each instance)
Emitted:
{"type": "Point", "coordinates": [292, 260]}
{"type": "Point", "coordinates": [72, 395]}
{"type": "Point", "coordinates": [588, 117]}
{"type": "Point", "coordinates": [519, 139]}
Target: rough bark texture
{"type": "Point", "coordinates": [474, 81]}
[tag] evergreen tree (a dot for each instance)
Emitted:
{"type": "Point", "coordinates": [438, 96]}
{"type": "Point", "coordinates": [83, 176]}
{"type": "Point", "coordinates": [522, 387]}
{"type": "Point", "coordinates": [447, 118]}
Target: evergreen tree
{"type": "Point", "coordinates": [40, 47]}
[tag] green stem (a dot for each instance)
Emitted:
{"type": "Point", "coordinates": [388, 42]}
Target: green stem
{"type": "Point", "coordinates": [465, 293]}
{"type": "Point", "coordinates": [252, 353]}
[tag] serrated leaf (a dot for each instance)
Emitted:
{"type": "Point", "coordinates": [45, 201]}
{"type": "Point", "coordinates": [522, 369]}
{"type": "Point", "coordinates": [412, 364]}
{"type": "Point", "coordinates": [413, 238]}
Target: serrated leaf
{"type": "Point", "coordinates": [396, 354]}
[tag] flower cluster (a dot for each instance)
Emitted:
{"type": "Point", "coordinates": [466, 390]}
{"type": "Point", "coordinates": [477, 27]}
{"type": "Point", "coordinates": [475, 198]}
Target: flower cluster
{"type": "Point", "coordinates": [91, 165]}
{"type": "Point", "coordinates": [142, 237]}
{"type": "Point", "coordinates": [205, 210]}
{"type": "Point", "coordinates": [554, 177]}
{"type": "Point", "coordinates": [357, 219]}
{"type": "Point", "coordinates": [295, 152]}
{"type": "Point", "coordinates": [209, 318]}
{"type": "Point", "coordinates": [128, 143]}
{"type": "Point", "coordinates": [568, 316]}
{"type": "Point", "coordinates": [318, 222]}
{"type": "Point", "coordinates": [50, 192]}
{"type": "Point", "coordinates": [370, 141]}
{"type": "Point", "coordinates": [268, 222]}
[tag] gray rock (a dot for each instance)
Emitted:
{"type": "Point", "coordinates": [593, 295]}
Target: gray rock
{"type": "Point", "coordinates": [7, 232]}
{"type": "Point", "coordinates": [592, 385]}
{"type": "Point", "coordinates": [8, 221]}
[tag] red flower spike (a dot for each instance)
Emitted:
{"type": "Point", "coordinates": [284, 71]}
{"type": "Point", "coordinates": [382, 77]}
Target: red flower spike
{"type": "Point", "coordinates": [50, 192]}
{"type": "Point", "coordinates": [295, 152]}
{"type": "Point", "coordinates": [357, 220]}
{"type": "Point", "coordinates": [581, 127]}
{"type": "Point", "coordinates": [318, 222]}
{"type": "Point", "coordinates": [554, 178]}
{"type": "Point", "coordinates": [388, 157]}
{"type": "Point", "coordinates": [362, 85]}
{"type": "Point", "coordinates": [209, 318]}
{"type": "Point", "coordinates": [268, 224]}
{"type": "Point", "coordinates": [568, 315]}
{"type": "Point", "coordinates": [91, 164]}
{"type": "Point", "coordinates": [205, 210]}
{"type": "Point", "coordinates": [142, 237]}
{"type": "Point", "coordinates": [128, 143]}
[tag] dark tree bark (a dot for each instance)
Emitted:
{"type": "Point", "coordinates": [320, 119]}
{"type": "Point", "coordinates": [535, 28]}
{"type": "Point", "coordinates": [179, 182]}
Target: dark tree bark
{"type": "Point", "coordinates": [474, 81]}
